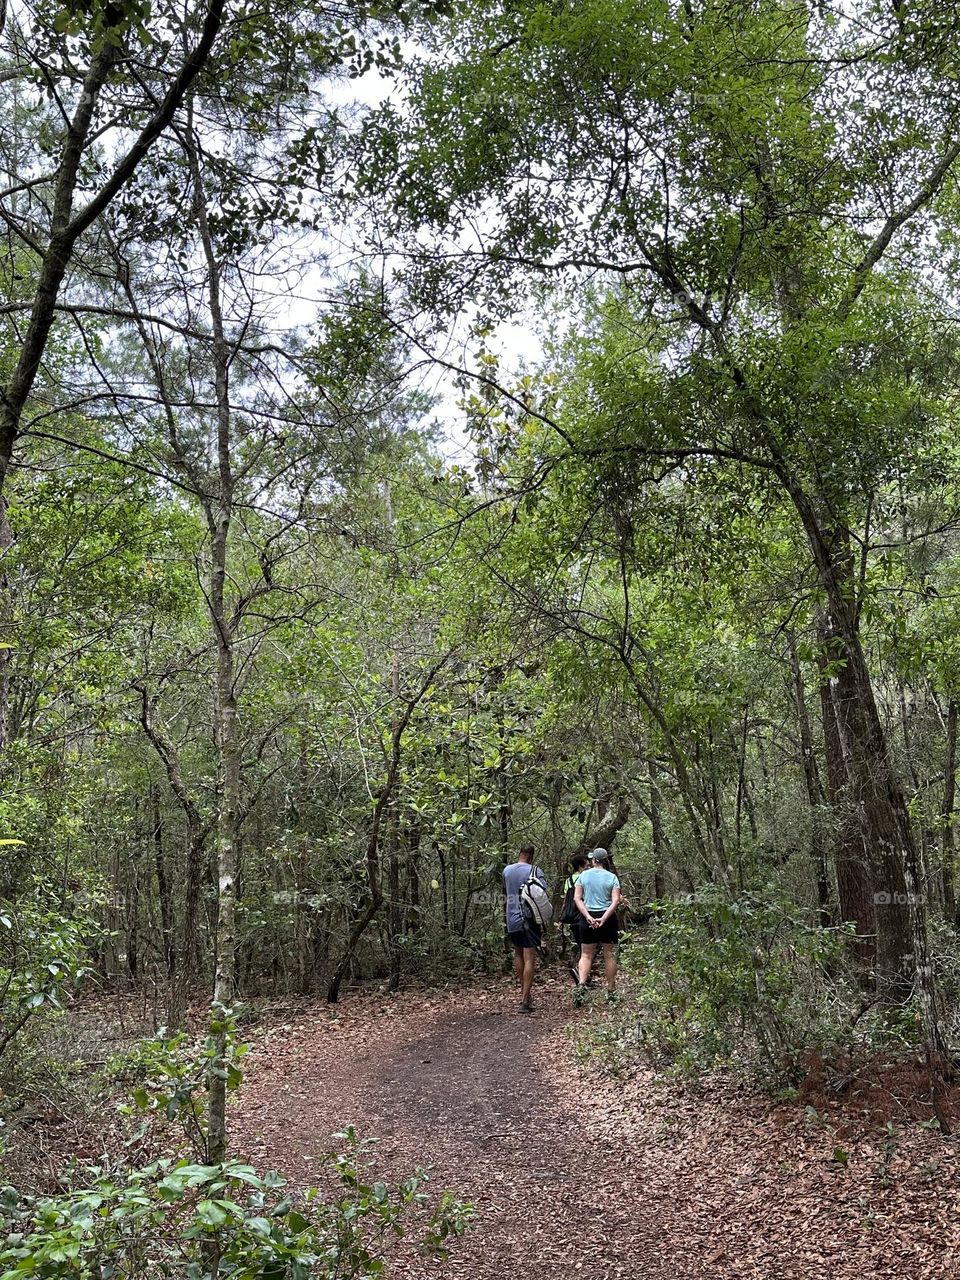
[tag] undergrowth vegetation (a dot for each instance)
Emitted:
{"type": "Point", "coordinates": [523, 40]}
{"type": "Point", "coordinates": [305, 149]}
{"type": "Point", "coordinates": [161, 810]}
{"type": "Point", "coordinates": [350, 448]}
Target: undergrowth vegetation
{"type": "Point", "coordinates": [152, 1207]}
{"type": "Point", "coordinates": [749, 984]}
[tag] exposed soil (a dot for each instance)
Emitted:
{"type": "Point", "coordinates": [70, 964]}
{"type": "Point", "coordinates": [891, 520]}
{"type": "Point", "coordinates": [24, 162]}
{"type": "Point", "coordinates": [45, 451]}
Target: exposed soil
{"type": "Point", "coordinates": [574, 1173]}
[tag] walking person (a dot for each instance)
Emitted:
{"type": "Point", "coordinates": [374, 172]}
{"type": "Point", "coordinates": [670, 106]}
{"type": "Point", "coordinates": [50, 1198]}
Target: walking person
{"type": "Point", "coordinates": [526, 938]}
{"type": "Point", "coordinates": [569, 914]}
{"type": "Point", "coordinates": [597, 895]}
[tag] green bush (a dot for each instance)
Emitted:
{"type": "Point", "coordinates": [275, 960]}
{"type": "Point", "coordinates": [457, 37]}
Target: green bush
{"type": "Point", "coordinates": [179, 1217]}
{"type": "Point", "coordinates": [720, 976]}
{"type": "Point", "coordinates": [191, 1221]}
{"type": "Point", "coordinates": [42, 955]}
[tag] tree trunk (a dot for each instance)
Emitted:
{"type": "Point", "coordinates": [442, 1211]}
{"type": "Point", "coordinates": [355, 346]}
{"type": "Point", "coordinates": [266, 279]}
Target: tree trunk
{"type": "Point", "coordinates": [227, 737]}
{"type": "Point", "coordinates": [174, 1003]}
{"type": "Point", "coordinates": [395, 917]}
{"type": "Point", "coordinates": [656, 831]}
{"type": "Point", "coordinates": [228, 750]}
{"type": "Point", "coordinates": [412, 924]}
{"type": "Point", "coordinates": [6, 603]}
{"type": "Point", "coordinates": [164, 897]}
{"type": "Point", "coordinates": [304, 913]}
{"type": "Point", "coordinates": [872, 790]}
{"type": "Point", "coordinates": [947, 844]}
{"type": "Point", "coordinates": [358, 929]}
{"type": "Point", "coordinates": [815, 793]}
{"type": "Point", "coordinates": [196, 854]}
{"type": "Point", "coordinates": [605, 832]}
{"type": "Point", "coordinates": [855, 886]}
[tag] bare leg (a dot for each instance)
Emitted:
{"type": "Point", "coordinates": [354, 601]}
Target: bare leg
{"type": "Point", "coordinates": [518, 964]}
{"type": "Point", "coordinates": [587, 951]}
{"type": "Point", "coordinates": [529, 969]}
{"type": "Point", "coordinates": [610, 965]}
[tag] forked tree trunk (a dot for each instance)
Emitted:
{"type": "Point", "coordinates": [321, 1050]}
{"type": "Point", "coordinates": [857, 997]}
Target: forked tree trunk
{"type": "Point", "coordinates": [385, 799]}
{"type": "Point", "coordinates": [605, 832]}
{"type": "Point", "coordinates": [197, 833]}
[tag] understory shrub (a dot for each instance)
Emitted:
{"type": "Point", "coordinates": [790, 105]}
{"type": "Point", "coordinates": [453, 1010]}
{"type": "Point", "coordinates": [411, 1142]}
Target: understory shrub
{"type": "Point", "coordinates": [721, 976]}
{"type": "Point", "coordinates": [174, 1218]}
{"type": "Point", "coordinates": [166, 1213]}
{"type": "Point", "coordinates": [43, 955]}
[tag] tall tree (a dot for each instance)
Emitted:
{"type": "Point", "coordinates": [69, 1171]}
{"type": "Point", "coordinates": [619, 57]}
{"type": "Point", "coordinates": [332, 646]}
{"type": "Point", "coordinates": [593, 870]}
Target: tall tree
{"type": "Point", "coordinates": [116, 83]}
{"type": "Point", "coordinates": [727, 168]}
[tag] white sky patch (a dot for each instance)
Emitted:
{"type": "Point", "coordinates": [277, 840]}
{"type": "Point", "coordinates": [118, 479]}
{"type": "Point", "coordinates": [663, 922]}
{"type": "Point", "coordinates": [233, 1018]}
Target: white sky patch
{"type": "Point", "coordinates": [516, 343]}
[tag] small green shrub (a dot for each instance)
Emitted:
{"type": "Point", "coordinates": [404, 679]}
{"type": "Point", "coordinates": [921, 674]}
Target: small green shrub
{"type": "Point", "coordinates": [179, 1217]}
{"type": "Point", "coordinates": [43, 954]}
{"type": "Point", "coordinates": [174, 1218]}
{"type": "Point", "coordinates": [746, 976]}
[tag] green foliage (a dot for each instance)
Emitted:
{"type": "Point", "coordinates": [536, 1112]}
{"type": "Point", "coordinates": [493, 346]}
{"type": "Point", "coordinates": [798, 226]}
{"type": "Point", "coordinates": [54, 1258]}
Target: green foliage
{"type": "Point", "coordinates": [722, 978]}
{"type": "Point", "coordinates": [43, 954]}
{"type": "Point", "coordinates": [171, 1076]}
{"type": "Point", "coordinates": [172, 1216]}
{"type": "Point", "coordinates": [179, 1217]}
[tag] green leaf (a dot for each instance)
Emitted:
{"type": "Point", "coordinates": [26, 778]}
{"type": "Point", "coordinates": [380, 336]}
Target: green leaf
{"type": "Point", "coordinates": [211, 1213]}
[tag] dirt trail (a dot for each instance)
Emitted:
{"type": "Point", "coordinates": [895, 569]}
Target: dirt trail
{"type": "Point", "coordinates": [574, 1175]}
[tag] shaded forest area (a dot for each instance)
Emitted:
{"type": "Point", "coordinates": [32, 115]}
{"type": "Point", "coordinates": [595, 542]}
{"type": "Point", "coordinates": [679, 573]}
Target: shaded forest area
{"type": "Point", "coordinates": [426, 431]}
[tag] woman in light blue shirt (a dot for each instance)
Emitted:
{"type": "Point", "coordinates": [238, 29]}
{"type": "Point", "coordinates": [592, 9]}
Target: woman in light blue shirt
{"type": "Point", "coordinates": [597, 896]}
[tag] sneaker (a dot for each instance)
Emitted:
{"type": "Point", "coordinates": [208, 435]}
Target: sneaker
{"type": "Point", "coordinates": [526, 1006]}
{"type": "Point", "coordinates": [574, 973]}
{"type": "Point", "coordinates": [580, 994]}
{"type": "Point", "coordinates": [613, 997]}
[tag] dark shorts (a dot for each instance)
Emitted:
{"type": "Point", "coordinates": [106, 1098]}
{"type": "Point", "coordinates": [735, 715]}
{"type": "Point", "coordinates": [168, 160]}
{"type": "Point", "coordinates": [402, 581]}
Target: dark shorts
{"type": "Point", "coordinates": [527, 937]}
{"type": "Point", "coordinates": [608, 932]}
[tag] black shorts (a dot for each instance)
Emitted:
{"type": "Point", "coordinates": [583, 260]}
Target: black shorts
{"type": "Point", "coordinates": [528, 937]}
{"type": "Point", "coordinates": [609, 931]}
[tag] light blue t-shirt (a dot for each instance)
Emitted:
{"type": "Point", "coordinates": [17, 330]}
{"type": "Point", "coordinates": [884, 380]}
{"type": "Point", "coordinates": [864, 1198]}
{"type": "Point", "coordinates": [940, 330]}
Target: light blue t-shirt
{"type": "Point", "coordinates": [598, 887]}
{"type": "Point", "coordinates": [514, 878]}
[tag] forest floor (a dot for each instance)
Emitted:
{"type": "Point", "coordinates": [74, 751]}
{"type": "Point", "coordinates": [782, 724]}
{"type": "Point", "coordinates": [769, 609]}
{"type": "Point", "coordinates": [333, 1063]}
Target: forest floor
{"type": "Point", "coordinates": [577, 1172]}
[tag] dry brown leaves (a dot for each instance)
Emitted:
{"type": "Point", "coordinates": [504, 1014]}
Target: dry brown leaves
{"type": "Point", "coordinates": [577, 1174]}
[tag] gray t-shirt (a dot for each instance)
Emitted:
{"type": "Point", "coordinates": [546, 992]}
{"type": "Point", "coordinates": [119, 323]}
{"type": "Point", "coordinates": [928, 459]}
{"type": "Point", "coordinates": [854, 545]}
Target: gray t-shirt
{"type": "Point", "coordinates": [514, 878]}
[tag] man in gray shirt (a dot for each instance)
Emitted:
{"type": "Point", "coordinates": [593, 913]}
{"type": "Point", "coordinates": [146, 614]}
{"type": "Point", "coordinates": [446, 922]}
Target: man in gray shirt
{"type": "Point", "coordinates": [525, 938]}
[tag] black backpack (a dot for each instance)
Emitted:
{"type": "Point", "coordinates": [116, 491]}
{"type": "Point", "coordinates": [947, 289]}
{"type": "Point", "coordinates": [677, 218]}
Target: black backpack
{"type": "Point", "coordinates": [569, 913]}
